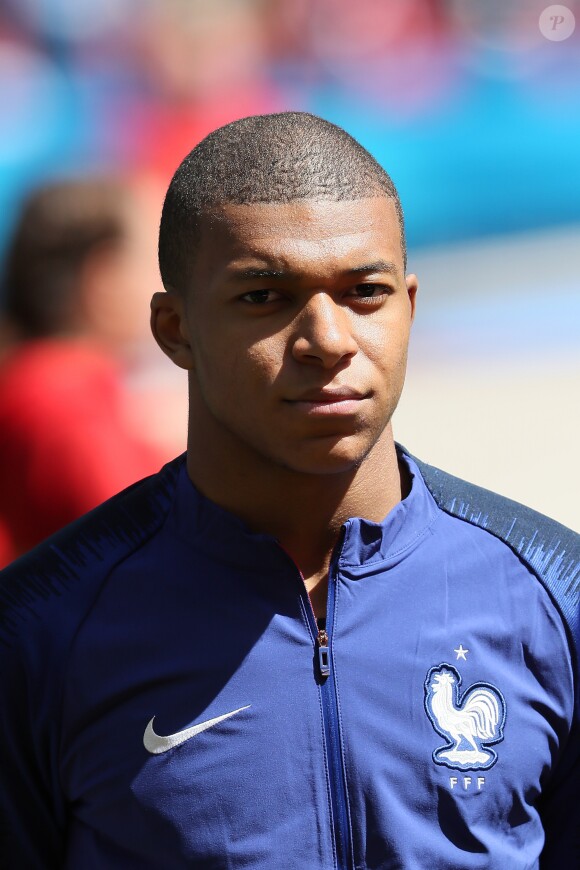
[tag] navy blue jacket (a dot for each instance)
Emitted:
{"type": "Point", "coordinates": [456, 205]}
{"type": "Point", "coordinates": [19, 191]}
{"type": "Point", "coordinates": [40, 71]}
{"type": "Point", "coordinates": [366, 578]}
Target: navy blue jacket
{"type": "Point", "coordinates": [168, 700]}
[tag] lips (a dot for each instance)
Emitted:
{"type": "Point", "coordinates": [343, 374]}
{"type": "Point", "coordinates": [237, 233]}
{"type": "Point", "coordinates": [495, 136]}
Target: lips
{"type": "Point", "coordinates": [337, 401]}
{"type": "Point", "coordinates": [330, 395]}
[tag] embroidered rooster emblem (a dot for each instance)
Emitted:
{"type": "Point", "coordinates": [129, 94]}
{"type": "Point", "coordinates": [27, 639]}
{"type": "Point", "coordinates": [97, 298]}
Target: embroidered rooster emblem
{"type": "Point", "coordinates": [470, 722]}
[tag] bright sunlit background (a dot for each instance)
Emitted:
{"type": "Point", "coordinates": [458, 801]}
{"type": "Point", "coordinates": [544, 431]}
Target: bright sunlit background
{"type": "Point", "coordinates": [472, 107]}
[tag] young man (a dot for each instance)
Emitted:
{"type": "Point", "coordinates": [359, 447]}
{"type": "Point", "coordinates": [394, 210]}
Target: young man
{"type": "Point", "coordinates": [297, 647]}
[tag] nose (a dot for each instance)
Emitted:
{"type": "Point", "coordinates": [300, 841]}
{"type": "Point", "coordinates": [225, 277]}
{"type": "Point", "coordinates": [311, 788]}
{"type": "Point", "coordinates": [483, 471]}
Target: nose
{"type": "Point", "coordinates": [324, 332]}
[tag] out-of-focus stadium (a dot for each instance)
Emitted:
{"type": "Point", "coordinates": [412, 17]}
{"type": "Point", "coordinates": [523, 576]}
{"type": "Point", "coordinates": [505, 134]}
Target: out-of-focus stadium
{"type": "Point", "coordinates": [472, 107]}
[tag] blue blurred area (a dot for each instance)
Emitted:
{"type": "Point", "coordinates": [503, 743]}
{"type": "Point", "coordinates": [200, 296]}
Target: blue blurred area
{"type": "Point", "coordinates": [489, 163]}
{"type": "Point", "coordinates": [51, 125]}
{"type": "Point", "coordinates": [480, 136]}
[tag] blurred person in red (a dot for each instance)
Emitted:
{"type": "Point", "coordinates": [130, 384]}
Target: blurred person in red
{"type": "Point", "coordinates": [74, 284]}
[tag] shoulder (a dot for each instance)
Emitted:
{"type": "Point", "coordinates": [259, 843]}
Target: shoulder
{"type": "Point", "coordinates": [74, 562]}
{"type": "Point", "coordinates": [548, 549]}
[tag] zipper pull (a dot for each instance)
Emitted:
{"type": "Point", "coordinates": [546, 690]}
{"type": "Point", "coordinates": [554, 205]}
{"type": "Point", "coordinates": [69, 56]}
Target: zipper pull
{"type": "Point", "coordinates": [323, 654]}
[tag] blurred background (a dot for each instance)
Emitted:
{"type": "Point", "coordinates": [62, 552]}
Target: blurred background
{"type": "Point", "coordinates": [474, 110]}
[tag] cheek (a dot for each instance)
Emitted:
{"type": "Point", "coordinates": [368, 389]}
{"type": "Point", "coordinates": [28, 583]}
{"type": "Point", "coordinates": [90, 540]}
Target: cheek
{"type": "Point", "coordinates": [262, 361]}
{"type": "Point", "coordinates": [214, 361]}
{"type": "Point", "coordinates": [385, 343]}
{"type": "Point", "coordinates": [231, 370]}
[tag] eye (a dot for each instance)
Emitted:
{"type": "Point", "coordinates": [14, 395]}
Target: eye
{"type": "Point", "coordinates": [369, 293]}
{"type": "Point", "coordinates": [260, 297]}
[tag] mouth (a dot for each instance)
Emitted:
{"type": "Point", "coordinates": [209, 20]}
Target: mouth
{"type": "Point", "coordinates": [340, 401]}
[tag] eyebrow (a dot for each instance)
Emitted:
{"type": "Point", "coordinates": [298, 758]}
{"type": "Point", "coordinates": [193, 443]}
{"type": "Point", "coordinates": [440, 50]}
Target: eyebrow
{"type": "Point", "coordinates": [251, 274]}
{"type": "Point", "coordinates": [377, 266]}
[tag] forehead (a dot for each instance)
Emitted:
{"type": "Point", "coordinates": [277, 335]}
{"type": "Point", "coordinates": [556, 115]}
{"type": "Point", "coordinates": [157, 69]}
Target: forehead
{"type": "Point", "coordinates": [301, 235]}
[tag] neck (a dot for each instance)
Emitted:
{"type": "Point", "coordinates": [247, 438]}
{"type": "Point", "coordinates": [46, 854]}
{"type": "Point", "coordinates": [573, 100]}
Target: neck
{"type": "Point", "coordinates": [303, 511]}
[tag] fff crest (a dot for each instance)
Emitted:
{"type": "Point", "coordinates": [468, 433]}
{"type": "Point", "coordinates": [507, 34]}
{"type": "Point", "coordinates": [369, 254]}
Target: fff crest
{"type": "Point", "coordinates": [471, 721]}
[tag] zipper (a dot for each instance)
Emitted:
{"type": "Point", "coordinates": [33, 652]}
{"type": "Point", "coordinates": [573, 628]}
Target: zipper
{"type": "Point", "coordinates": [332, 731]}
{"type": "Point", "coordinates": [340, 820]}
{"type": "Point", "coordinates": [323, 653]}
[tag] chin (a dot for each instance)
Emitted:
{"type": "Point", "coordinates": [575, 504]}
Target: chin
{"type": "Point", "coordinates": [328, 456]}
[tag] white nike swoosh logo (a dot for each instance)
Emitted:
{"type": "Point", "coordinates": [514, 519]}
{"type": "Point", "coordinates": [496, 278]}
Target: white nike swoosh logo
{"type": "Point", "coordinates": [156, 744]}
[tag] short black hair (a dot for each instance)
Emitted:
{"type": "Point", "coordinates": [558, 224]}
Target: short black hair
{"type": "Point", "coordinates": [274, 158]}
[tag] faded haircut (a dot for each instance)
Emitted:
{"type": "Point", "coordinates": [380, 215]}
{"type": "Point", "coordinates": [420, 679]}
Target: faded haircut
{"type": "Point", "coordinates": [275, 158]}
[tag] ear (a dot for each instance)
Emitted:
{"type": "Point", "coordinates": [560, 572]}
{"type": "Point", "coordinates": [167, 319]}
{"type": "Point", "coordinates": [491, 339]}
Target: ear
{"type": "Point", "coordinates": [412, 283]}
{"type": "Point", "coordinates": [169, 327]}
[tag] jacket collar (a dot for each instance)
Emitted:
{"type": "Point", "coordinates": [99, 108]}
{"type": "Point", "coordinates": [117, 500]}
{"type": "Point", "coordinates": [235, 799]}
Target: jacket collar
{"type": "Point", "coordinates": [366, 545]}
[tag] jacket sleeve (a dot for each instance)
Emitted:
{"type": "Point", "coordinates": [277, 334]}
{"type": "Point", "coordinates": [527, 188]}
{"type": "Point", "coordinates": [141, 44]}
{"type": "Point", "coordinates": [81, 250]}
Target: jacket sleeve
{"type": "Point", "coordinates": [560, 810]}
{"type": "Point", "coordinates": [44, 598]}
{"type": "Point", "coordinates": [32, 818]}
